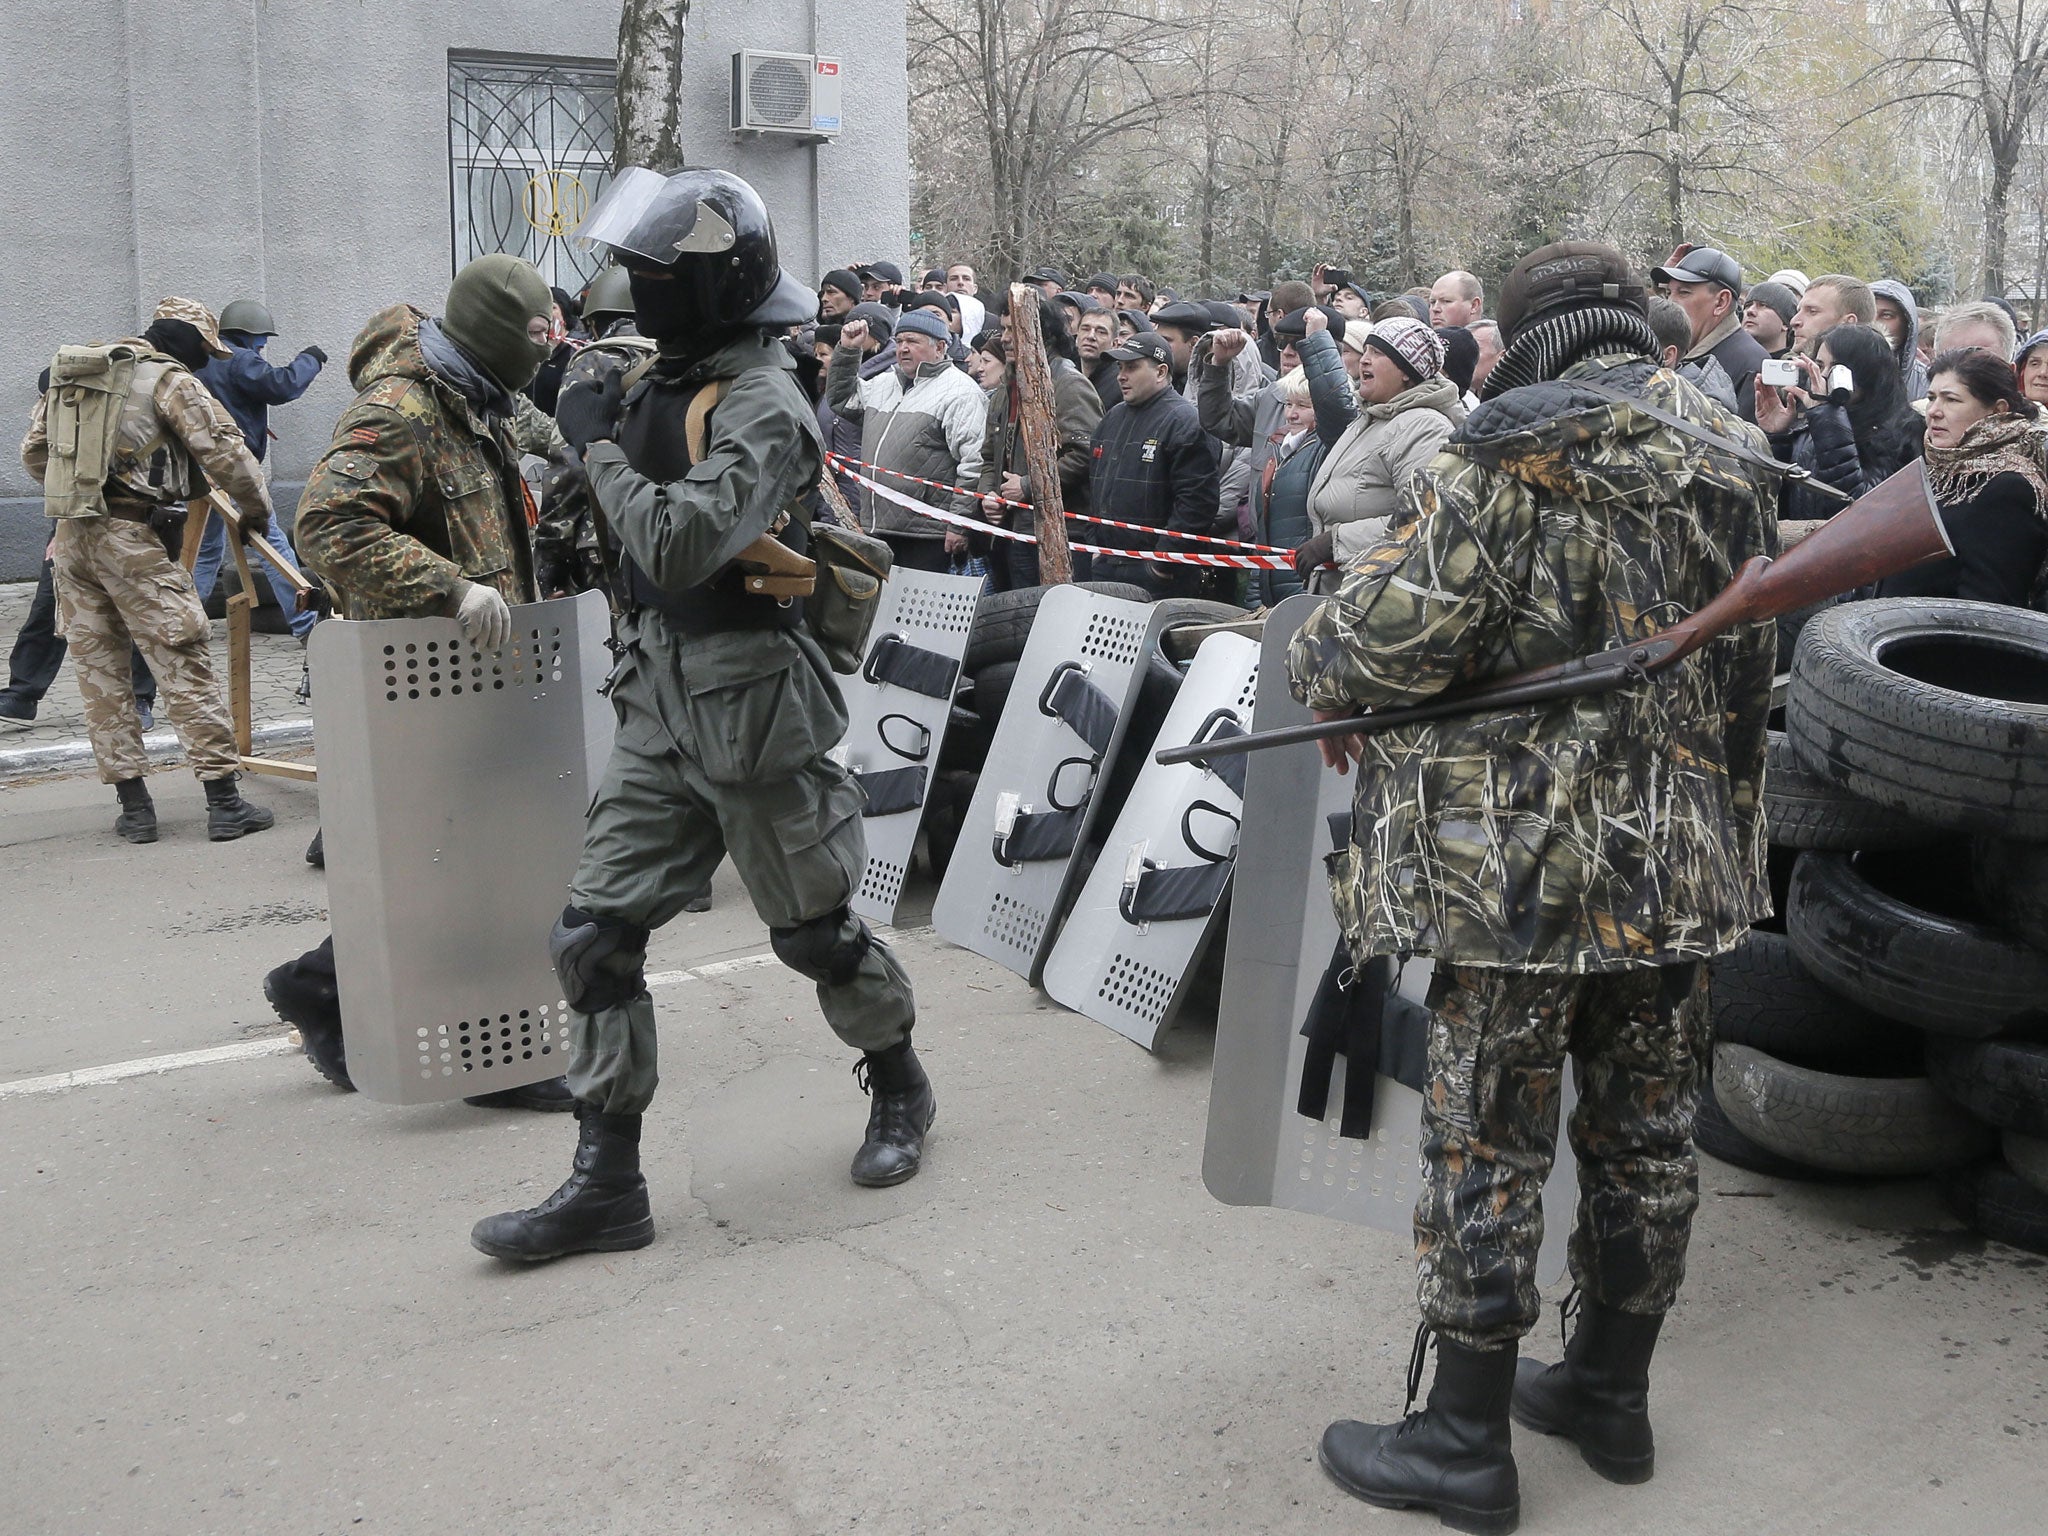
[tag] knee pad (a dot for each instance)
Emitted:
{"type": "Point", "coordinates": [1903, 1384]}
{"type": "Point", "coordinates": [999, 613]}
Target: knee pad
{"type": "Point", "coordinates": [827, 949]}
{"type": "Point", "coordinates": [601, 961]}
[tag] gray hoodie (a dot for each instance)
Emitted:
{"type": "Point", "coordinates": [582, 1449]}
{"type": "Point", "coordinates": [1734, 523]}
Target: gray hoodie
{"type": "Point", "coordinates": [1911, 369]}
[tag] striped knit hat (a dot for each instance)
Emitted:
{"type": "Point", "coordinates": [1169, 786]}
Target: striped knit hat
{"type": "Point", "coordinates": [1417, 348]}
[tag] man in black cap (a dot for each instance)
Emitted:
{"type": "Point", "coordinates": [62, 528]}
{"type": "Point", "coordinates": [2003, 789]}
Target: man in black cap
{"type": "Point", "coordinates": [1151, 464]}
{"type": "Point", "coordinates": [838, 292]}
{"type": "Point", "coordinates": [1183, 324]}
{"type": "Point", "coordinates": [1051, 279]}
{"type": "Point", "coordinates": [1707, 285]}
{"type": "Point", "coordinates": [1767, 311]}
{"type": "Point", "coordinates": [933, 281]}
{"type": "Point", "coordinates": [1102, 289]}
{"type": "Point", "coordinates": [880, 281]}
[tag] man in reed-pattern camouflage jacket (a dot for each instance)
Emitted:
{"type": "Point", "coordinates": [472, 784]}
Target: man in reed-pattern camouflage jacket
{"type": "Point", "coordinates": [1569, 864]}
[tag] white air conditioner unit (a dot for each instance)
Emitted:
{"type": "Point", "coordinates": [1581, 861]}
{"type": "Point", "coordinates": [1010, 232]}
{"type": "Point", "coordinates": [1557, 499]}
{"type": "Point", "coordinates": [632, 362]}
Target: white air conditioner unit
{"type": "Point", "coordinates": [796, 94]}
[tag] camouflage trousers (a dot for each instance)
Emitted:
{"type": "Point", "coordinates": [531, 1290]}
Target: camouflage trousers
{"type": "Point", "coordinates": [1498, 1042]}
{"type": "Point", "coordinates": [114, 584]}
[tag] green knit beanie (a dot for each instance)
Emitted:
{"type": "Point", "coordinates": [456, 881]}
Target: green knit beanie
{"type": "Point", "coordinates": [490, 304]}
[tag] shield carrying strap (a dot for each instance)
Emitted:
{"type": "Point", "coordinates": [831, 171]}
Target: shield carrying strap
{"type": "Point", "coordinates": [1171, 895]}
{"type": "Point", "coordinates": [1221, 725]}
{"type": "Point", "coordinates": [1036, 837]}
{"type": "Point", "coordinates": [892, 791]}
{"type": "Point", "coordinates": [895, 660]}
{"type": "Point", "coordinates": [1086, 709]}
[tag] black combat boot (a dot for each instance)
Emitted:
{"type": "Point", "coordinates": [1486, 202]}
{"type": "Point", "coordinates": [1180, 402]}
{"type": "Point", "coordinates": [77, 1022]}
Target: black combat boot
{"type": "Point", "coordinates": [1599, 1396]}
{"type": "Point", "coordinates": [551, 1095]}
{"type": "Point", "coordinates": [902, 1110]}
{"type": "Point", "coordinates": [1455, 1456]}
{"type": "Point", "coordinates": [228, 815]}
{"type": "Point", "coordinates": [306, 997]}
{"type": "Point", "coordinates": [316, 850]}
{"type": "Point", "coordinates": [137, 821]}
{"type": "Point", "coordinates": [601, 1208]}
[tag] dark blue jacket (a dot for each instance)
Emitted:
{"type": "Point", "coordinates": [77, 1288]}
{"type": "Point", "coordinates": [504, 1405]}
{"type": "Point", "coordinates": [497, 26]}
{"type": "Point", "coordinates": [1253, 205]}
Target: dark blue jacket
{"type": "Point", "coordinates": [248, 386]}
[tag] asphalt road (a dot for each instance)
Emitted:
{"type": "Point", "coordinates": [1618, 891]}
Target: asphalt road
{"type": "Point", "coordinates": [238, 1300]}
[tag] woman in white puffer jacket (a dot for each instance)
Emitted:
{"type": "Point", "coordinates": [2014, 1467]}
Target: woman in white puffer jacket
{"type": "Point", "coordinates": [1407, 408]}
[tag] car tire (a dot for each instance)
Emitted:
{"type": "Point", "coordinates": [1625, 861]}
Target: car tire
{"type": "Point", "coordinates": [2012, 886]}
{"type": "Point", "coordinates": [1002, 620]}
{"type": "Point", "coordinates": [1713, 1135]}
{"type": "Point", "coordinates": [1873, 1127]}
{"type": "Point", "coordinates": [1803, 810]}
{"type": "Point", "coordinates": [1763, 997]}
{"type": "Point", "coordinates": [2002, 1082]}
{"type": "Point", "coordinates": [1990, 1198]}
{"type": "Point", "coordinates": [1944, 974]}
{"type": "Point", "coordinates": [2026, 1156]}
{"type": "Point", "coordinates": [1887, 702]}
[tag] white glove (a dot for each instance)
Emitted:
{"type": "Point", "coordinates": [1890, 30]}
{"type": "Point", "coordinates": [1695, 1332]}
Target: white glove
{"type": "Point", "coordinates": [485, 618]}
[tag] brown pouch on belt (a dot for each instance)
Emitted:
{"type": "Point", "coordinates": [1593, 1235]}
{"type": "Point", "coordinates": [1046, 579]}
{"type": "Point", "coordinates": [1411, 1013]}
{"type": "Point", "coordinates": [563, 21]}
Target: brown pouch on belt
{"type": "Point", "coordinates": [770, 568]}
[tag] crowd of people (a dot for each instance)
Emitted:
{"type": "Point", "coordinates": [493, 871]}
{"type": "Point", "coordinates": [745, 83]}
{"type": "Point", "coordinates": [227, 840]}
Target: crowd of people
{"type": "Point", "coordinates": [1293, 419]}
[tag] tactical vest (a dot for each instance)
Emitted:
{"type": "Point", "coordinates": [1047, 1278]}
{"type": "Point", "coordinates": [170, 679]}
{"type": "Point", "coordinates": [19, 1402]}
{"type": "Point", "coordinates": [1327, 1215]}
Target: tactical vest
{"type": "Point", "coordinates": [655, 435]}
{"type": "Point", "coordinates": [103, 429]}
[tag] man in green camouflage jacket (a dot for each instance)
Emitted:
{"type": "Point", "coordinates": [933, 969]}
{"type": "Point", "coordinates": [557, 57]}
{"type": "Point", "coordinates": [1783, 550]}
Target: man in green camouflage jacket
{"type": "Point", "coordinates": [1569, 864]}
{"type": "Point", "coordinates": [417, 510]}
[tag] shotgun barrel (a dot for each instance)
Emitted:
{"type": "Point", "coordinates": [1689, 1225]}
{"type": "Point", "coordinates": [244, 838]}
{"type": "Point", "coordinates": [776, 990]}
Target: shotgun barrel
{"type": "Point", "coordinates": [1893, 528]}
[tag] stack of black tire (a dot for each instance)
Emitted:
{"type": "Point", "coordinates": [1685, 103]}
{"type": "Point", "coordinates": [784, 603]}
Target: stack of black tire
{"type": "Point", "coordinates": [1890, 1021]}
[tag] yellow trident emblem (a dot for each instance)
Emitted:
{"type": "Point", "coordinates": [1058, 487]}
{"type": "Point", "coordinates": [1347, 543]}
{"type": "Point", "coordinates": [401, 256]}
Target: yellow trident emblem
{"type": "Point", "coordinates": [556, 202]}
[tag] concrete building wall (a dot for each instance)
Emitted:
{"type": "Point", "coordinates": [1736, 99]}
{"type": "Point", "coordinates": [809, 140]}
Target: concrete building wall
{"type": "Point", "coordinates": [296, 151]}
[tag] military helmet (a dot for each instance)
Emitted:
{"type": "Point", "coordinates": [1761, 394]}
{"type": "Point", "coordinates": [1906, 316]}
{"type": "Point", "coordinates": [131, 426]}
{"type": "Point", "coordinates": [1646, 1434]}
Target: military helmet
{"type": "Point", "coordinates": [609, 296]}
{"type": "Point", "coordinates": [249, 317]}
{"type": "Point", "coordinates": [1566, 275]}
{"type": "Point", "coordinates": [704, 244]}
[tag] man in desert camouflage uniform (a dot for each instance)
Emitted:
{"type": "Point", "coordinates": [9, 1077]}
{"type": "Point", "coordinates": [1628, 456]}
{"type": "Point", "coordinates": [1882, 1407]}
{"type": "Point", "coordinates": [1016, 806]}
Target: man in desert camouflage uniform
{"type": "Point", "coordinates": [1570, 865]}
{"type": "Point", "coordinates": [417, 510]}
{"type": "Point", "coordinates": [114, 576]}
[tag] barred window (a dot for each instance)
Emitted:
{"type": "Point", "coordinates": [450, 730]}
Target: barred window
{"type": "Point", "coordinates": [529, 153]}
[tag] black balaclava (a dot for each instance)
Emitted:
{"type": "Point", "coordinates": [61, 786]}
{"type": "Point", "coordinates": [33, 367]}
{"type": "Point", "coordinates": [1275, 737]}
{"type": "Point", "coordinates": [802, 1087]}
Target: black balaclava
{"type": "Point", "coordinates": [179, 339]}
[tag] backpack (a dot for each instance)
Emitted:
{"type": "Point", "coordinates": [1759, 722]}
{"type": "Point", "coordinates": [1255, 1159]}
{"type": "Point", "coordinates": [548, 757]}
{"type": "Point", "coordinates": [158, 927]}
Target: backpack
{"type": "Point", "coordinates": [89, 386]}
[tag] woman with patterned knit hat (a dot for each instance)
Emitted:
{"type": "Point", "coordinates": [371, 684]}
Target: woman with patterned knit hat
{"type": "Point", "coordinates": [1406, 409]}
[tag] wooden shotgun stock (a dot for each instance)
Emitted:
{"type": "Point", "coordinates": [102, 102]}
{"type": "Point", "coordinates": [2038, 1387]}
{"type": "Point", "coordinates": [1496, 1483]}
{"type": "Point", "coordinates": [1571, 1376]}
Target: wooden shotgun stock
{"type": "Point", "coordinates": [1894, 528]}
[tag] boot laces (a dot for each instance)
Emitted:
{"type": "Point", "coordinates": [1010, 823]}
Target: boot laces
{"type": "Point", "coordinates": [1418, 1358]}
{"type": "Point", "coordinates": [1567, 1310]}
{"type": "Point", "coordinates": [889, 1117]}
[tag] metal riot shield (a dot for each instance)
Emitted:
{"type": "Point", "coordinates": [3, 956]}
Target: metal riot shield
{"type": "Point", "coordinates": [1011, 870]}
{"type": "Point", "coordinates": [1149, 904]}
{"type": "Point", "coordinates": [1260, 1150]}
{"type": "Point", "coordinates": [453, 787]}
{"type": "Point", "coordinates": [897, 709]}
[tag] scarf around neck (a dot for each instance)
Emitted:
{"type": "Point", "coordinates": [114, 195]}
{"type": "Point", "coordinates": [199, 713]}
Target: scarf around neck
{"type": "Point", "coordinates": [1544, 350]}
{"type": "Point", "coordinates": [2004, 444]}
{"type": "Point", "coordinates": [453, 367]}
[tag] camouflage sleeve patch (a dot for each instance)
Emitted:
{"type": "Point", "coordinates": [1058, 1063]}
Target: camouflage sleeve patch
{"type": "Point", "coordinates": [353, 512]}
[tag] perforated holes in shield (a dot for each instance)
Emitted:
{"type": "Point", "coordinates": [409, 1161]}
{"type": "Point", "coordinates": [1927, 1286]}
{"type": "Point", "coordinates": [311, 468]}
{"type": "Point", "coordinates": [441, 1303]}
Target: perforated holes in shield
{"type": "Point", "coordinates": [1014, 923]}
{"type": "Point", "coordinates": [493, 1040]}
{"type": "Point", "coordinates": [949, 613]}
{"type": "Point", "coordinates": [883, 881]}
{"type": "Point", "coordinates": [1141, 990]}
{"type": "Point", "coordinates": [1112, 638]}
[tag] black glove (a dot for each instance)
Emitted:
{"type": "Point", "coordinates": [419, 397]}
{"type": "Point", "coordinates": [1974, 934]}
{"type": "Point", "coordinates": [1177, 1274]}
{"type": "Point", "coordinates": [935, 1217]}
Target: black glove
{"type": "Point", "coordinates": [314, 353]}
{"type": "Point", "coordinates": [1316, 552]}
{"type": "Point", "coordinates": [589, 412]}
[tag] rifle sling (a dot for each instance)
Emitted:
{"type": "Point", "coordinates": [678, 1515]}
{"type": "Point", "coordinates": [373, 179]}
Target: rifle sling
{"type": "Point", "coordinates": [1712, 439]}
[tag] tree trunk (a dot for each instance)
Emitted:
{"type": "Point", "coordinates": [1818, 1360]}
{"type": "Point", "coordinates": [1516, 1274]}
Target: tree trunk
{"type": "Point", "coordinates": [650, 77]}
{"type": "Point", "coordinates": [2005, 155]}
{"type": "Point", "coordinates": [1036, 415]}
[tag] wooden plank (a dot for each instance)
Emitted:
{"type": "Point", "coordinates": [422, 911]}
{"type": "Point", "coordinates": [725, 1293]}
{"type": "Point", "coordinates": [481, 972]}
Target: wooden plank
{"type": "Point", "coordinates": [277, 768]}
{"type": "Point", "coordinates": [196, 514]}
{"type": "Point", "coordinates": [1031, 372]}
{"type": "Point", "coordinates": [239, 608]}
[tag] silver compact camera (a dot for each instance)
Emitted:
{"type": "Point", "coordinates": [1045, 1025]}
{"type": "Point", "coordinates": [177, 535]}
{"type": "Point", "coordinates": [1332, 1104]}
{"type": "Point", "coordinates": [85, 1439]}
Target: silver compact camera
{"type": "Point", "coordinates": [1779, 373]}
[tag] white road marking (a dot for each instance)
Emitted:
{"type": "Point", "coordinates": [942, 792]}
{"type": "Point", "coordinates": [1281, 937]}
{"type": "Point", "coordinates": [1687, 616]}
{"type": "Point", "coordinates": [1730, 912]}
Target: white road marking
{"type": "Point", "coordinates": [145, 1066]}
{"type": "Point", "coordinates": [279, 1045]}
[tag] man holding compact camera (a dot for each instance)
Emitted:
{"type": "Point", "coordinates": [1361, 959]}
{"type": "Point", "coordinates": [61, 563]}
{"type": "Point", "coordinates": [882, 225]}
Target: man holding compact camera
{"type": "Point", "coordinates": [1707, 285]}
